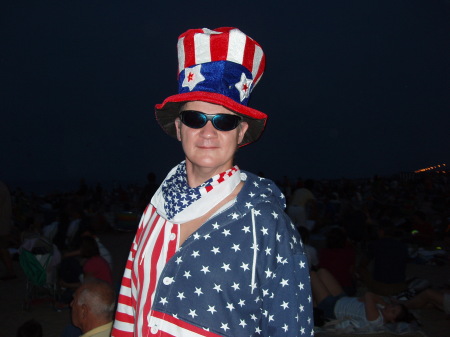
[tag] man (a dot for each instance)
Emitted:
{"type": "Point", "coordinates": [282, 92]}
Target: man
{"type": "Point", "coordinates": [93, 308]}
{"type": "Point", "coordinates": [215, 254]}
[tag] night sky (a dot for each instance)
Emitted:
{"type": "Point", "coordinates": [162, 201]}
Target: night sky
{"type": "Point", "coordinates": [352, 89]}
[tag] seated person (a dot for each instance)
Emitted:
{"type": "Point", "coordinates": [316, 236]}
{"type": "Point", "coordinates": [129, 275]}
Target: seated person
{"type": "Point", "coordinates": [389, 257]}
{"type": "Point", "coordinates": [302, 207]}
{"type": "Point", "coordinates": [422, 231]}
{"type": "Point", "coordinates": [93, 265]}
{"type": "Point", "coordinates": [339, 258]}
{"type": "Point", "coordinates": [310, 251]}
{"type": "Point", "coordinates": [73, 272]}
{"type": "Point", "coordinates": [104, 252]}
{"type": "Point", "coordinates": [93, 308]}
{"type": "Point", "coordinates": [368, 312]}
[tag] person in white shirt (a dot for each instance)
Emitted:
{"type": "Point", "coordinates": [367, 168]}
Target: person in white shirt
{"type": "Point", "coordinates": [368, 312]}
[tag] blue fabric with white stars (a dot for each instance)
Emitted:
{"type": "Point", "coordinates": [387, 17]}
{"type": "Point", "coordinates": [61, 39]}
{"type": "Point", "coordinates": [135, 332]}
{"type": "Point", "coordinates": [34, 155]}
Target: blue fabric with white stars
{"type": "Point", "coordinates": [211, 274]}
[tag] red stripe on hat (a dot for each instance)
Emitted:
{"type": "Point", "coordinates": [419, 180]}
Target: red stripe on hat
{"type": "Point", "coordinates": [191, 32]}
{"type": "Point", "coordinates": [219, 46]}
{"type": "Point", "coordinates": [189, 51]}
{"type": "Point", "coordinates": [249, 53]}
{"type": "Point", "coordinates": [188, 43]}
{"type": "Point", "coordinates": [189, 47]}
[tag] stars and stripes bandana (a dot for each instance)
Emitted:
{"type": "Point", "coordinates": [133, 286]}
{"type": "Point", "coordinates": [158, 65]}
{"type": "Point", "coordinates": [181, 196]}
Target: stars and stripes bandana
{"type": "Point", "coordinates": [176, 201]}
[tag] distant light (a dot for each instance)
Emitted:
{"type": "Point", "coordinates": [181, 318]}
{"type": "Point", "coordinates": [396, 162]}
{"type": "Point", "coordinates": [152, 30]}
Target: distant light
{"type": "Point", "coordinates": [430, 168]}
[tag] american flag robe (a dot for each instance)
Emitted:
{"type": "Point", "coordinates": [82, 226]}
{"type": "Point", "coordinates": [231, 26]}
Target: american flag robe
{"type": "Point", "coordinates": [242, 273]}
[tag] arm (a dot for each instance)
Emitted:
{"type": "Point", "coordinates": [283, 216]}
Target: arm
{"type": "Point", "coordinates": [287, 309]}
{"type": "Point", "coordinates": [287, 306]}
{"type": "Point", "coordinates": [124, 319]}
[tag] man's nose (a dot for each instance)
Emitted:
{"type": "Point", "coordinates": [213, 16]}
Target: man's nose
{"type": "Point", "coordinates": [208, 130]}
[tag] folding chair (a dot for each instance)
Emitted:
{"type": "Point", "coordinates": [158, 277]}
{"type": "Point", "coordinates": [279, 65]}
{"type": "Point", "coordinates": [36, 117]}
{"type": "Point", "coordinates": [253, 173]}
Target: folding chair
{"type": "Point", "coordinates": [36, 262]}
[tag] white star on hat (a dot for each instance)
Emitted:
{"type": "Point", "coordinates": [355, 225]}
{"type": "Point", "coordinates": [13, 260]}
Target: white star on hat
{"type": "Point", "coordinates": [192, 77]}
{"type": "Point", "coordinates": [243, 86]}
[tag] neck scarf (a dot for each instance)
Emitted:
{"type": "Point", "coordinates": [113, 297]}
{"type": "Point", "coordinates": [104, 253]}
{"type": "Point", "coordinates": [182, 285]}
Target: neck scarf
{"type": "Point", "coordinates": [176, 201]}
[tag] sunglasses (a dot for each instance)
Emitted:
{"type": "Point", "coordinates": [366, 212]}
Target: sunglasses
{"type": "Point", "coordinates": [197, 120]}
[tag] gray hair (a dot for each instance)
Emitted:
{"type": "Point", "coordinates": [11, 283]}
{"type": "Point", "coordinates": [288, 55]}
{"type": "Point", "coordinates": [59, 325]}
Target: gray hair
{"type": "Point", "coordinates": [99, 296]}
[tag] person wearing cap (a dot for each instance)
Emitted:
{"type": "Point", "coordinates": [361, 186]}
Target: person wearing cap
{"type": "Point", "coordinates": [215, 254]}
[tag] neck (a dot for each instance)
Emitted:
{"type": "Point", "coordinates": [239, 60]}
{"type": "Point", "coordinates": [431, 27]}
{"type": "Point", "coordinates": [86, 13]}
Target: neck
{"type": "Point", "coordinates": [198, 175]}
{"type": "Point", "coordinates": [94, 324]}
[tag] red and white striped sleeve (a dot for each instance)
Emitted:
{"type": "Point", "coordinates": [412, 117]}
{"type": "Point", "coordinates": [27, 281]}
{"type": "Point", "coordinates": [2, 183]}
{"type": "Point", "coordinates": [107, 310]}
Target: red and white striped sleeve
{"type": "Point", "coordinates": [125, 315]}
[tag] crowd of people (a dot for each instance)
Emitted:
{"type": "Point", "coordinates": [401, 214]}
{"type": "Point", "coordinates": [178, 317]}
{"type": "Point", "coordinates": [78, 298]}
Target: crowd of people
{"type": "Point", "coordinates": [362, 232]}
{"type": "Point", "coordinates": [360, 236]}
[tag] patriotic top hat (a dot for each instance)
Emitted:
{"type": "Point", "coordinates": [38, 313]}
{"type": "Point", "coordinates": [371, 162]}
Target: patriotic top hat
{"type": "Point", "coordinates": [220, 66]}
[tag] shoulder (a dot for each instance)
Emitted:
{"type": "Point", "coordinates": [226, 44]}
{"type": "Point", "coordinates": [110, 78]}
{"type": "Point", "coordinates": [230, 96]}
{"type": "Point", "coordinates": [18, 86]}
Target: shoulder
{"type": "Point", "coordinates": [260, 191]}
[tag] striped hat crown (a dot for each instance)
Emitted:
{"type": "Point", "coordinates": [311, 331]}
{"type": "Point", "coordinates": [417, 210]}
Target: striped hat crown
{"type": "Point", "coordinates": [224, 61]}
{"type": "Point", "coordinates": [220, 66]}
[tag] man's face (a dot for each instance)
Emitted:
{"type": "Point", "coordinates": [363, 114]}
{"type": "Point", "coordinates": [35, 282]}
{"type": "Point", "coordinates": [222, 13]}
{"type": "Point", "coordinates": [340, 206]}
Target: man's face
{"type": "Point", "coordinates": [208, 148]}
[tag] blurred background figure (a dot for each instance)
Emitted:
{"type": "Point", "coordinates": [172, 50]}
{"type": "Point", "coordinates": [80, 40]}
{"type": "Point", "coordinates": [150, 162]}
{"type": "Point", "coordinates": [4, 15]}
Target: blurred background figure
{"type": "Point", "coordinates": [302, 208]}
{"type": "Point", "coordinates": [30, 328]}
{"type": "Point", "coordinates": [148, 191]}
{"type": "Point", "coordinates": [77, 269]}
{"type": "Point", "coordinates": [5, 230]}
{"type": "Point", "coordinates": [433, 298]}
{"type": "Point", "coordinates": [339, 258]}
{"type": "Point", "coordinates": [93, 308]}
{"type": "Point", "coordinates": [383, 268]}
{"type": "Point", "coordinates": [310, 251]}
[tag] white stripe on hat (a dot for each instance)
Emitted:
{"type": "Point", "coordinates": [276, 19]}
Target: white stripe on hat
{"type": "Point", "coordinates": [181, 55]}
{"type": "Point", "coordinates": [257, 63]}
{"type": "Point", "coordinates": [202, 47]}
{"type": "Point", "coordinates": [236, 46]}
{"type": "Point", "coordinates": [210, 31]}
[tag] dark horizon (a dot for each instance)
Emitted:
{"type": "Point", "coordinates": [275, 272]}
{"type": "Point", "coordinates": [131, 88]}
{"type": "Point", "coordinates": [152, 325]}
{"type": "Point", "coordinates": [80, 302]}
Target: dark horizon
{"type": "Point", "coordinates": [48, 187]}
{"type": "Point", "coordinates": [352, 90]}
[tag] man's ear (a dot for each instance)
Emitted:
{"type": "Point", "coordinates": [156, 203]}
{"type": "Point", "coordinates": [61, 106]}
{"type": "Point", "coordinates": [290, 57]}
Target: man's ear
{"type": "Point", "coordinates": [178, 128]}
{"type": "Point", "coordinates": [84, 311]}
{"type": "Point", "coordinates": [242, 129]}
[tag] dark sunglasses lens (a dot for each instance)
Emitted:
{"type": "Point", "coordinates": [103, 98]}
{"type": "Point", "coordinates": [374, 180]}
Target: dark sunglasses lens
{"type": "Point", "coordinates": [226, 122]}
{"type": "Point", "coordinates": [193, 119]}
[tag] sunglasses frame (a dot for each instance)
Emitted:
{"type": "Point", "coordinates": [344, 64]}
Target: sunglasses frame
{"type": "Point", "coordinates": [210, 117]}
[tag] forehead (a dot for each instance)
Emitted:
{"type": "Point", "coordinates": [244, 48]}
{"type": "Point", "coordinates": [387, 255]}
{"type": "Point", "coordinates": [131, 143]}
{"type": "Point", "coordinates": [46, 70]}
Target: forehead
{"type": "Point", "coordinates": [207, 108]}
{"type": "Point", "coordinates": [77, 293]}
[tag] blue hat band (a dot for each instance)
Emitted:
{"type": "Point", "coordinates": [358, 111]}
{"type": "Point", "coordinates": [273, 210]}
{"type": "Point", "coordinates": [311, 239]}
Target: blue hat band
{"type": "Point", "coordinates": [221, 77]}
